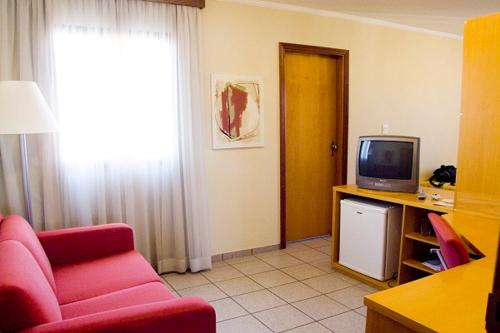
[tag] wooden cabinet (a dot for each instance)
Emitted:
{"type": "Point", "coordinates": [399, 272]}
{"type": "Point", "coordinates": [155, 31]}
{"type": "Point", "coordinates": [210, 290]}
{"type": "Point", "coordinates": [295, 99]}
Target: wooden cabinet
{"type": "Point", "coordinates": [415, 247]}
{"type": "Point", "coordinates": [478, 179]}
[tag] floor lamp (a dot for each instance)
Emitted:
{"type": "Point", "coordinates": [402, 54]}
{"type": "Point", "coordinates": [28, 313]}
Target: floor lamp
{"type": "Point", "coordinates": [23, 110]}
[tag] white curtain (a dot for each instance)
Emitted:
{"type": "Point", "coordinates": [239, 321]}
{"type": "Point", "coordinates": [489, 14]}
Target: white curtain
{"type": "Point", "coordinates": [126, 79]}
{"type": "Point", "coordinates": [26, 54]}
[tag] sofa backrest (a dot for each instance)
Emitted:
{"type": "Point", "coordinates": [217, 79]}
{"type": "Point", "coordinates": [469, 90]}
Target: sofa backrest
{"type": "Point", "coordinates": [26, 298]}
{"type": "Point", "coordinates": [16, 228]}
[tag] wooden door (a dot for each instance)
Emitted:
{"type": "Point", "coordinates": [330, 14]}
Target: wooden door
{"type": "Point", "coordinates": [314, 121]}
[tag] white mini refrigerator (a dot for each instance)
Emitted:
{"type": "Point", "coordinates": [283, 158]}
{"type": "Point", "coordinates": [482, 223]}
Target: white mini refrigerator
{"type": "Point", "coordinates": [370, 234]}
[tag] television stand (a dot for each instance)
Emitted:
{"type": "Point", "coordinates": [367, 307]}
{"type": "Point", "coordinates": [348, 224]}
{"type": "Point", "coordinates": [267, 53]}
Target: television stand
{"type": "Point", "coordinates": [414, 248]}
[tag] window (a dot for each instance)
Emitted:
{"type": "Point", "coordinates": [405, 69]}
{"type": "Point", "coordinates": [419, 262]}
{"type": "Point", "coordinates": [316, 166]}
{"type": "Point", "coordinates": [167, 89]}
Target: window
{"type": "Point", "coordinates": [117, 96]}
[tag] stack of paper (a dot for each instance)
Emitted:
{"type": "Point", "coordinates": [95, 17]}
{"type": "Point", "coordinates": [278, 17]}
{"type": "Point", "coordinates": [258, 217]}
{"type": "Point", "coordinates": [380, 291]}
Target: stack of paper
{"type": "Point", "coordinates": [434, 264]}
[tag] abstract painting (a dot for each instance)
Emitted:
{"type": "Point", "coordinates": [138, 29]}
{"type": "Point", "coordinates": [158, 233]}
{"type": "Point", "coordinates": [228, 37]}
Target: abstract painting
{"type": "Point", "coordinates": [237, 119]}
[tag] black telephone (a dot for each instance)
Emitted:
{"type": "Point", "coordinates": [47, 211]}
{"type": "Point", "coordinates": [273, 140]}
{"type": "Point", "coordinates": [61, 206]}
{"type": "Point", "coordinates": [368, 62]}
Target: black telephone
{"type": "Point", "coordinates": [445, 174]}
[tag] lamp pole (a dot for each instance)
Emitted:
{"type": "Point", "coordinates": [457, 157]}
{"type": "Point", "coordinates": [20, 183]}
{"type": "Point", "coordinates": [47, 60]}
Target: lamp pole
{"type": "Point", "coordinates": [26, 178]}
{"type": "Point", "coordinates": [23, 110]}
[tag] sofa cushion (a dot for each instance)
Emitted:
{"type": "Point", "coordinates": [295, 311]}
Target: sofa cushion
{"type": "Point", "coordinates": [16, 228]}
{"type": "Point", "coordinates": [26, 298]}
{"type": "Point", "coordinates": [82, 280]}
{"type": "Point", "coordinates": [70, 245]}
{"type": "Point", "coordinates": [142, 294]}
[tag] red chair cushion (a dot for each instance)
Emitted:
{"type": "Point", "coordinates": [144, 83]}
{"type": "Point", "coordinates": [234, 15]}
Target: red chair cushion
{"type": "Point", "coordinates": [16, 228]}
{"type": "Point", "coordinates": [26, 298]}
{"type": "Point", "coordinates": [452, 247]}
{"type": "Point", "coordinates": [82, 280]}
{"type": "Point", "coordinates": [143, 294]}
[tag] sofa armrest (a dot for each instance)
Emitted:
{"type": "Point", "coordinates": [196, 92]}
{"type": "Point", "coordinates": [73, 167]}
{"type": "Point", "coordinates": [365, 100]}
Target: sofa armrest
{"type": "Point", "coordinates": [183, 315]}
{"type": "Point", "coordinates": [71, 245]}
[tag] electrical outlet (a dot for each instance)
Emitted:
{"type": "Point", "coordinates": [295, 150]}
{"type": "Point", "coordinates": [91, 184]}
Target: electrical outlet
{"type": "Point", "coordinates": [385, 129]}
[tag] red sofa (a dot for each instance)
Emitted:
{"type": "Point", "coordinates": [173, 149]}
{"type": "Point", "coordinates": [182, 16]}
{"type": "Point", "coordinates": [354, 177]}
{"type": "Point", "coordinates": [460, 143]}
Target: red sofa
{"type": "Point", "coordinates": [87, 279]}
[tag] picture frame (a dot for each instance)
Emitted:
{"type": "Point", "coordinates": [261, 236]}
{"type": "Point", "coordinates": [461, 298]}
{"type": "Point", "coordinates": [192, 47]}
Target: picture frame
{"type": "Point", "coordinates": [237, 111]}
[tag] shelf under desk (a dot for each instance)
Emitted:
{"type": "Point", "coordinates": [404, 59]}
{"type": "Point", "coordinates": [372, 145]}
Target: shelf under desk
{"type": "Point", "coordinates": [416, 236]}
{"type": "Point", "coordinates": [418, 265]}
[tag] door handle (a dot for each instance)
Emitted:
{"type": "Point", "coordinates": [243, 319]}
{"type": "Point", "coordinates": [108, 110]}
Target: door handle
{"type": "Point", "coordinates": [333, 148]}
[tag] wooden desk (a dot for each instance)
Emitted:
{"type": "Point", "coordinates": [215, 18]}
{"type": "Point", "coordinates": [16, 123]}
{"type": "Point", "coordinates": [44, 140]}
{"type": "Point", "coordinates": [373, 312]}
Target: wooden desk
{"type": "Point", "coordinates": [414, 246]}
{"type": "Point", "coordinates": [450, 301]}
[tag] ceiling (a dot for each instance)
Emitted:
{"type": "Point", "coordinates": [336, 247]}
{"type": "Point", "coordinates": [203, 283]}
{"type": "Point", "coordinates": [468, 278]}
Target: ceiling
{"type": "Point", "coordinates": [446, 16]}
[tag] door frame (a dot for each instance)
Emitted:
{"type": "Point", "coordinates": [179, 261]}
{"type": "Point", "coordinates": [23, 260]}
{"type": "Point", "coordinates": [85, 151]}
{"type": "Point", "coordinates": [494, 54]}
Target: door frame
{"type": "Point", "coordinates": [342, 89]}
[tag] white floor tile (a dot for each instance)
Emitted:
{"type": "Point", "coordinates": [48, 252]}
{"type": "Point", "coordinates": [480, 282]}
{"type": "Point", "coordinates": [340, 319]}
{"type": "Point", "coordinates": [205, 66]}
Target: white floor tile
{"type": "Point", "coordinates": [346, 278]}
{"type": "Point", "coordinates": [253, 267]}
{"type": "Point", "coordinates": [283, 318]}
{"type": "Point", "coordinates": [272, 278]}
{"type": "Point", "coordinates": [325, 249]}
{"type": "Point", "coordinates": [368, 288]}
{"type": "Point", "coordinates": [294, 292]}
{"type": "Point", "coordinates": [351, 296]}
{"type": "Point", "coordinates": [226, 308]}
{"type": "Point", "coordinates": [185, 280]}
{"type": "Point", "coordinates": [320, 307]}
{"type": "Point", "coordinates": [316, 242]}
{"type": "Point", "coordinates": [246, 324]}
{"type": "Point", "coordinates": [361, 311]}
{"type": "Point", "coordinates": [294, 247]}
{"type": "Point", "coordinates": [326, 283]}
{"type": "Point", "coordinates": [303, 271]}
{"type": "Point", "coordinates": [349, 322]}
{"type": "Point", "coordinates": [310, 328]}
{"type": "Point", "coordinates": [222, 273]}
{"type": "Point", "coordinates": [259, 301]}
{"type": "Point", "coordinates": [282, 261]}
{"type": "Point", "coordinates": [208, 292]}
{"type": "Point", "coordinates": [324, 264]}
{"type": "Point", "coordinates": [219, 263]}
{"type": "Point", "coordinates": [238, 286]}
{"type": "Point", "coordinates": [310, 255]}
{"type": "Point", "coordinates": [236, 289]}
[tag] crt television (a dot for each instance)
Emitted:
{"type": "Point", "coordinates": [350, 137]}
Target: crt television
{"type": "Point", "coordinates": [388, 163]}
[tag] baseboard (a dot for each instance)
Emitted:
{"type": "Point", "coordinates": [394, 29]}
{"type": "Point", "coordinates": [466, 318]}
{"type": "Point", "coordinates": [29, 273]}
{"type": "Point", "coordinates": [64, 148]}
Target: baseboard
{"type": "Point", "coordinates": [243, 253]}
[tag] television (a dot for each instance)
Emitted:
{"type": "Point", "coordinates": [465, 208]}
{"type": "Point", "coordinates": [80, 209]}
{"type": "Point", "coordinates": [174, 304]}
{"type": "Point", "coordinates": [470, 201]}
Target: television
{"type": "Point", "coordinates": [388, 163]}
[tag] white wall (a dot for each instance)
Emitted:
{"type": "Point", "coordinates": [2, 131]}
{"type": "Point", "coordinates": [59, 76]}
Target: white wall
{"type": "Point", "coordinates": [409, 80]}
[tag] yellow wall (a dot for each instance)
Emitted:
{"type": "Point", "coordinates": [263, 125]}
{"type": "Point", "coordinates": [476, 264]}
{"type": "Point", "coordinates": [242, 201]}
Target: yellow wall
{"type": "Point", "coordinates": [409, 80]}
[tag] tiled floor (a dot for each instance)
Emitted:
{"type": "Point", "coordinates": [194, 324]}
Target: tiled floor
{"type": "Point", "coordinates": [292, 290]}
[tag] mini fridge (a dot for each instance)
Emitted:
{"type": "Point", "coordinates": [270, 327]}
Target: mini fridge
{"type": "Point", "coordinates": [370, 234]}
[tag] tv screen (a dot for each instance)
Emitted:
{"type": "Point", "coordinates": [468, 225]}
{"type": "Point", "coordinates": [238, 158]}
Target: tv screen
{"type": "Point", "coordinates": [386, 159]}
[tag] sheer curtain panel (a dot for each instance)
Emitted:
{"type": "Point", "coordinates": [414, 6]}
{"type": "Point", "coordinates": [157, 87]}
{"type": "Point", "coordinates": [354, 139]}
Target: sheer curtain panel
{"type": "Point", "coordinates": [126, 77]}
{"type": "Point", "coordinates": [26, 54]}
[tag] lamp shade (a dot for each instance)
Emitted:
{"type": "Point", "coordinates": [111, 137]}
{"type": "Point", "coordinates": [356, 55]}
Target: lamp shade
{"type": "Point", "coordinates": [23, 109]}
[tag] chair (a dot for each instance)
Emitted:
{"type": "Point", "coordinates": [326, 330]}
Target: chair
{"type": "Point", "coordinates": [453, 249]}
